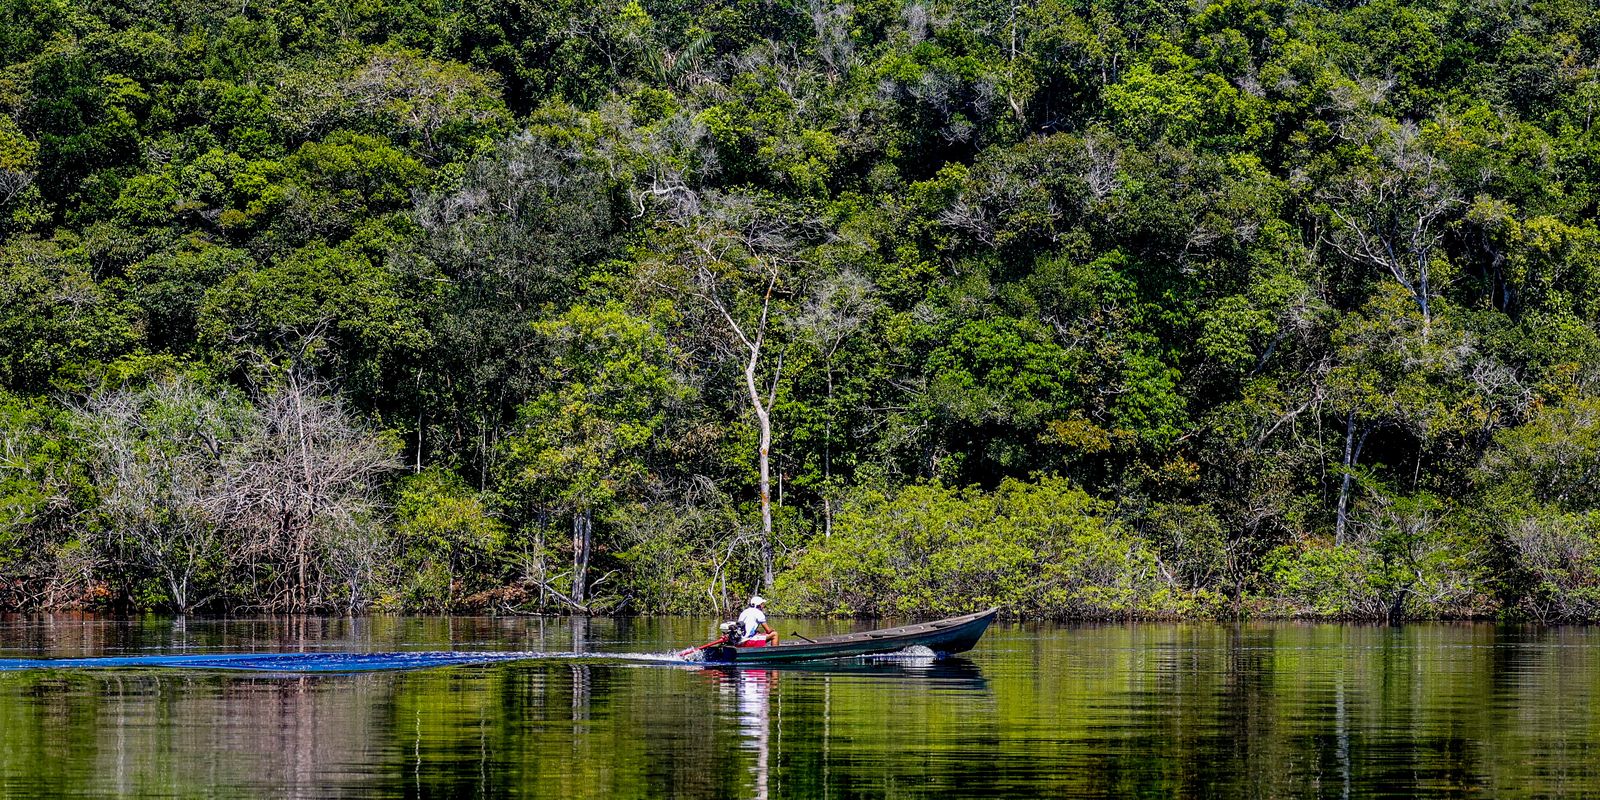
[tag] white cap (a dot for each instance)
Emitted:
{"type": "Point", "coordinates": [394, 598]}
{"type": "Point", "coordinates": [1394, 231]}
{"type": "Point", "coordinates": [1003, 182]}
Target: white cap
{"type": "Point", "coordinates": [758, 600]}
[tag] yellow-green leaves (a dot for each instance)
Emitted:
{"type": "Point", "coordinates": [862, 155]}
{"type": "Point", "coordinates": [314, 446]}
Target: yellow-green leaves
{"type": "Point", "coordinates": [1034, 548]}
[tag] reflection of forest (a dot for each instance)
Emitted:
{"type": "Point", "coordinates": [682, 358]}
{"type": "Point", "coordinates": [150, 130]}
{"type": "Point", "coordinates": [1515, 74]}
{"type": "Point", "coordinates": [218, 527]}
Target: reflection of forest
{"type": "Point", "coordinates": [1269, 710]}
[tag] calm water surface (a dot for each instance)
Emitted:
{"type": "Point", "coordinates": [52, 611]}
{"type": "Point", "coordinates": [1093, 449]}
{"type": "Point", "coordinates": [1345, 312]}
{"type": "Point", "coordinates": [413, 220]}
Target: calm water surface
{"type": "Point", "coordinates": [1145, 710]}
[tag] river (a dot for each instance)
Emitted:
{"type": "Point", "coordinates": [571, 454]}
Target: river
{"type": "Point", "coordinates": [1103, 710]}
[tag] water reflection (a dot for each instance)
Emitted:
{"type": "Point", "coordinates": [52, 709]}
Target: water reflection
{"type": "Point", "coordinates": [1109, 711]}
{"type": "Point", "coordinates": [749, 692]}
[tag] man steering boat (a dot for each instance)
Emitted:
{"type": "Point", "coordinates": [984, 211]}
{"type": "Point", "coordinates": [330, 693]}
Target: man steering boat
{"type": "Point", "coordinates": [753, 624]}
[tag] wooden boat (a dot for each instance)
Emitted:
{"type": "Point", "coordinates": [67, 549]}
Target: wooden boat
{"type": "Point", "coordinates": [945, 636]}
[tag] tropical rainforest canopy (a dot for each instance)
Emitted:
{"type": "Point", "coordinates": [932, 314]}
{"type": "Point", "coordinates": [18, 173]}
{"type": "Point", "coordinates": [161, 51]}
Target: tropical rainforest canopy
{"type": "Point", "coordinates": [1078, 307]}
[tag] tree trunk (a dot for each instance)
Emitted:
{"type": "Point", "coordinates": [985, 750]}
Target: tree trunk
{"type": "Point", "coordinates": [827, 431]}
{"type": "Point", "coordinates": [1352, 454]}
{"type": "Point", "coordinates": [450, 583]}
{"type": "Point", "coordinates": [582, 541]}
{"type": "Point", "coordinates": [1344, 480]}
{"type": "Point", "coordinates": [766, 501]}
{"type": "Point", "coordinates": [1396, 612]}
{"type": "Point", "coordinates": [765, 422]}
{"type": "Point", "coordinates": [827, 458]}
{"type": "Point", "coordinates": [753, 344]}
{"type": "Point", "coordinates": [180, 592]}
{"type": "Point", "coordinates": [302, 550]}
{"type": "Point", "coordinates": [301, 543]}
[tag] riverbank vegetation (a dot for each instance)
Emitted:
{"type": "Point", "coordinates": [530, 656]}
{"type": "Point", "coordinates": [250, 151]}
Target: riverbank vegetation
{"type": "Point", "coordinates": [1081, 307]}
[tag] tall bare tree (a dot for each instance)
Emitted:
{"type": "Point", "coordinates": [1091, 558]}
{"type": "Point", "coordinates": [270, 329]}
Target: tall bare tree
{"type": "Point", "coordinates": [737, 259]}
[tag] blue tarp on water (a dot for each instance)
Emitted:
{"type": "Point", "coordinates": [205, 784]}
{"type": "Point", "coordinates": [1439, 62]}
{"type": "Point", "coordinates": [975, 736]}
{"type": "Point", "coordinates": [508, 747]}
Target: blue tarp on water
{"type": "Point", "coordinates": [281, 662]}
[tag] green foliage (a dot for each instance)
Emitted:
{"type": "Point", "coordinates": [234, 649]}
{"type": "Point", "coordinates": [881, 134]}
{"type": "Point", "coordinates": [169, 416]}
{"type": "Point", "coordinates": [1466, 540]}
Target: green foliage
{"type": "Point", "coordinates": [611, 387]}
{"type": "Point", "coordinates": [1044, 548]}
{"type": "Point", "coordinates": [170, 286]}
{"type": "Point", "coordinates": [1275, 278]}
{"type": "Point", "coordinates": [1552, 458]}
{"type": "Point", "coordinates": [1000, 370]}
{"type": "Point", "coordinates": [160, 459]}
{"type": "Point", "coordinates": [586, 442]}
{"type": "Point", "coordinates": [20, 201]}
{"type": "Point", "coordinates": [1406, 560]}
{"type": "Point", "coordinates": [673, 558]}
{"type": "Point", "coordinates": [325, 191]}
{"type": "Point", "coordinates": [1557, 559]}
{"type": "Point", "coordinates": [331, 305]}
{"type": "Point", "coordinates": [41, 486]}
{"type": "Point", "coordinates": [451, 541]}
{"type": "Point", "coordinates": [1165, 96]}
{"type": "Point", "coordinates": [442, 111]}
{"type": "Point", "coordinates": [57, 318]}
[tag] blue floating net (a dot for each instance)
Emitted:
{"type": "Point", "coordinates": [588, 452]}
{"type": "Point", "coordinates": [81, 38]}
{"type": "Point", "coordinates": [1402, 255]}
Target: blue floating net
{"type": "Point", "coordinates": [311, 662]}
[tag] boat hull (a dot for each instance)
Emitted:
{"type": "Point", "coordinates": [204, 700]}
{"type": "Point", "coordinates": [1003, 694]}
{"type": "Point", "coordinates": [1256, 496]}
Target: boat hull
{"type": "Point", "coordinates": [946, 636]}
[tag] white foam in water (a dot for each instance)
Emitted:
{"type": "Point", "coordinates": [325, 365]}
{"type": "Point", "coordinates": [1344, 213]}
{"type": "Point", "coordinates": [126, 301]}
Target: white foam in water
{"type": "Point", "coordinates": [670, 658]}
{"type": "Point", "coordinates": [915, 652]}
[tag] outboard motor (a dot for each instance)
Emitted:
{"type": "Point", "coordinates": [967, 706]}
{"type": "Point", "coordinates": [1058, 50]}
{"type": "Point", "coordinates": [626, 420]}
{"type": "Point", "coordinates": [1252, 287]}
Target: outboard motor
{"type": "Point", "coordinates": [727, 636]}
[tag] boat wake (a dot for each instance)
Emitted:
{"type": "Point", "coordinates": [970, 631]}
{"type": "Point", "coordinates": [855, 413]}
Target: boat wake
{"type": "Point", "coordinates": [915, 652]}
{"type": "Point", "coordinates": [299, 663]}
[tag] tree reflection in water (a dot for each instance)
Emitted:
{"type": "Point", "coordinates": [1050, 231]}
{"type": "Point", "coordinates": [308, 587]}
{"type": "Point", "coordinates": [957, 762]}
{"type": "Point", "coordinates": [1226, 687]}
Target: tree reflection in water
{"type": "Point", "coordinates": [1271, 710]}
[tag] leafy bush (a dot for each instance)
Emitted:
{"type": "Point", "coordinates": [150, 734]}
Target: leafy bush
{"type": "Point", "coordinates": [1559, 555]}
{"type": "Point", "coordinates": [1405, 558]}
{"type": "Point", "coordinates": [1042, 548]}
{"type": "Point", "coordinates": [451, 542]}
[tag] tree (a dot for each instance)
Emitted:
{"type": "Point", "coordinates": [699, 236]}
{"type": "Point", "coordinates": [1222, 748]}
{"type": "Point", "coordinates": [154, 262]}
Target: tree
{"type": "Point", "coordinates": [1537, 488]}
{"type": "Point", "coordinates": [1392, 212]}
{"type": "Point", "coordinates": [837, 309]}
{"type": "Point", "coordinates": [1403, 559]}
{"type": "Point", "coordinates": [445, 527]}
{"type": "Point", "coordinates": [320, 306]}
{"type": "Point", "coordinates": [519, 231]}
{"type": "Point", "coordinates": [1268, 275]}
{"type": "Point", "coordinates": [1043, 547]}
{"type": "Point", "coordinates": [441, 110]}
{"type": "Point", "coordinates": [20, 202]}
{"type": "Point", "coordinates": [161, 457]}
{"type": "Point", "coordinates": [57, 318]}
{"type": "Point", "coordinates": [347, 186]}
{"type": "Point", "coordinates": [734, 257]}
{"type": "Point", "coordinates": [585, 441]}
{"type": "Point", "coordinates": [169, 289]}
{"type": "Point", "coordinates": [1392, 374]}
{"type": "Point", "coordinates": [43, 560]}
{"type": "Point", "coordinates": [304, 496]}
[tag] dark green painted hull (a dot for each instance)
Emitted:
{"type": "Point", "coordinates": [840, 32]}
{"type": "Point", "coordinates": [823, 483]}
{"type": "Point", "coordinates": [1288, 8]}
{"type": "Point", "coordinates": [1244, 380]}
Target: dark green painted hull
{"type": "Point", "coordinates": [945, 636]}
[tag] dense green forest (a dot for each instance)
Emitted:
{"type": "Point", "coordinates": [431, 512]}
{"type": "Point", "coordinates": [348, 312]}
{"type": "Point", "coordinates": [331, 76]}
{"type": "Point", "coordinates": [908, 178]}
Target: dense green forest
{"type": "Point", "coordinates": [1079, 307]}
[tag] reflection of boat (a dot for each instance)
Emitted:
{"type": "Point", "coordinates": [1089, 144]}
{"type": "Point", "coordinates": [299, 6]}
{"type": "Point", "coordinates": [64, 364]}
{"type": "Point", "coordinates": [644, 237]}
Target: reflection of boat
{"type": "Point", "coordinates": [942, 673]}
{"type": "Point", "coordinates": [953, 635]}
